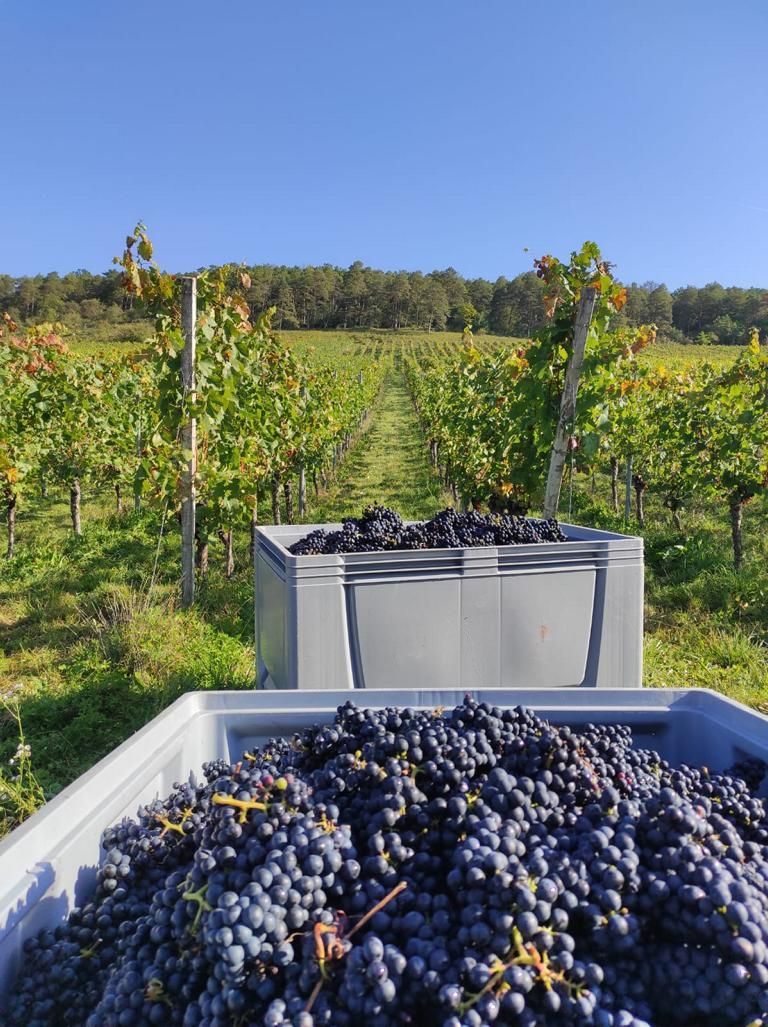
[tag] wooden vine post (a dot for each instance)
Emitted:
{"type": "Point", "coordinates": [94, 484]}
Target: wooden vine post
{"type": "Point", "coordinates": [568, 402]}
{"type": "Point", "coordinates": [302, 491]}
{"type": "Point", "coordinates": [628, 490]}
{"type": "Point", "coordinates": [188, 442]}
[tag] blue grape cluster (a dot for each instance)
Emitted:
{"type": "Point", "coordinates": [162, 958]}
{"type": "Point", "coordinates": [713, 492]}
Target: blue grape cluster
{"type": "Point", "coordinates": [381, 529]}
{"type": "Point", "coordinates": [404, 868]}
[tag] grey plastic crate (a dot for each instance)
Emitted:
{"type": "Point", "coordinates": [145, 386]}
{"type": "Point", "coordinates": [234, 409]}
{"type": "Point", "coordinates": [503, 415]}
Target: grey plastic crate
{"type": "Point", "coordinates": [47, 865]}
{"type": "Point", "coordinates": [548, 615]}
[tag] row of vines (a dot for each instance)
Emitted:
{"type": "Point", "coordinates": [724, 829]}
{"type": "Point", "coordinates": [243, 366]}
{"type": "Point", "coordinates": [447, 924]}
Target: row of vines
{"type": "Point", "coordinates": [420, 346]}
{"type": "Point", "coordinates": [268, 425]}
{"type": "Point", "coordinates": [698, 434]}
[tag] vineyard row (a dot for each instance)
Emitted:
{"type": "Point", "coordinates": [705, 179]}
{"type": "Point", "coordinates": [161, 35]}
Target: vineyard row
{"type": "Point", "coordinates": [267, 425]}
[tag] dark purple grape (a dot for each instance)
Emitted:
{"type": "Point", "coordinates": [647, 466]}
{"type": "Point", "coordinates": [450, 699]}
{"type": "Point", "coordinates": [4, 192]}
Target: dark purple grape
{"type": "Point", "coordinates": [381, 529]}
{"type": "Point", "coordinates": [553, 878]}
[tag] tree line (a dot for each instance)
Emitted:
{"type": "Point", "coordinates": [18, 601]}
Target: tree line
{"type": "Point", "coordinates": [360, 297]}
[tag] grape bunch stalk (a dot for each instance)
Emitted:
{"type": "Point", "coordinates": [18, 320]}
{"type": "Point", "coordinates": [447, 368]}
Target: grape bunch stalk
{"type": "Point", "coordinates": [424, 868]}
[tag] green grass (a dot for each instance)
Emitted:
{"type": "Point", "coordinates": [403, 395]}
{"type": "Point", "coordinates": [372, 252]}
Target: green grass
{"type": "Point", "coordinates": [389, 465]}
{"type": "Point", "coordinates": [706, 625]}
{"type": "Point", "coordinates": [95, 651]}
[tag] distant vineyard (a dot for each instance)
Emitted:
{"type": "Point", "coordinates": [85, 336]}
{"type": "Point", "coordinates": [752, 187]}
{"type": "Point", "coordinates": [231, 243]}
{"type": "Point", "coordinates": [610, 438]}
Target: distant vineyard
{"type": "Point", "coordinates": [334, 346]}
{"type": "Point", "coordinates": [337, 345]}
{"type": "Point", "coordinates": [274, 419]}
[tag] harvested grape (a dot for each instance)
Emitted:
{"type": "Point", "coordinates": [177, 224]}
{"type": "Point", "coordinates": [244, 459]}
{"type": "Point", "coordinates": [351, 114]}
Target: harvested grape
{"type": "Point", "coordinates": [434, 868]}
{"type": "Point", "coordinates": [381, 529]}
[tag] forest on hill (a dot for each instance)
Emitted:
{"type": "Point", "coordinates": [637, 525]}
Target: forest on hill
{"type": "Point", "coordinates": [363, 297]}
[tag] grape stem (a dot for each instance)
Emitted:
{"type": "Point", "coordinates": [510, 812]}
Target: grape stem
{"type": "Point", "coordinates": [202, 906]}
{"type": "Point", "coordinates": [524, 955]}
{"type": "Point", "coordinates": [168, 825]}
{"type": "Point", "coordinates": [330, 952]}
{"type": "Point", "coordinates": [379, 906]}
{"type": "Point", "coordinates": [244, 805]}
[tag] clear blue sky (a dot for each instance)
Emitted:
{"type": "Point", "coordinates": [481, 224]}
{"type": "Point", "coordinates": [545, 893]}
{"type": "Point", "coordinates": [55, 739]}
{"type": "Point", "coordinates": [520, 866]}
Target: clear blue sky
{"type": "Point", "coordinates": [406, 133]}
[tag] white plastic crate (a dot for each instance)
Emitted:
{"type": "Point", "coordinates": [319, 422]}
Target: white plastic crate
{"type": "Point", "coordinates": [47, 866]}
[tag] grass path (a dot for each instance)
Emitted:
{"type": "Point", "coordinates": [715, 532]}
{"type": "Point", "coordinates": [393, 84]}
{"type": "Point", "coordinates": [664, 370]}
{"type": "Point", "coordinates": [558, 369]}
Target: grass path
{"type": "Point", "coordinates": [389, 465]}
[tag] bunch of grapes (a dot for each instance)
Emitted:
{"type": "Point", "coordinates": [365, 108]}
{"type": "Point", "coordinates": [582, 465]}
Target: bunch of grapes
{"type": "Point", "coordinates": [381, 529]}
{"type": "Point", "coordinates": [406, 868]}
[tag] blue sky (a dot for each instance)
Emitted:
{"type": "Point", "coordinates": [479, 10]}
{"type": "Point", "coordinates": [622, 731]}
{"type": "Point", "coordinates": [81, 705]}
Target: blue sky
{"type": "Point", "coordinates": [407, 134]}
